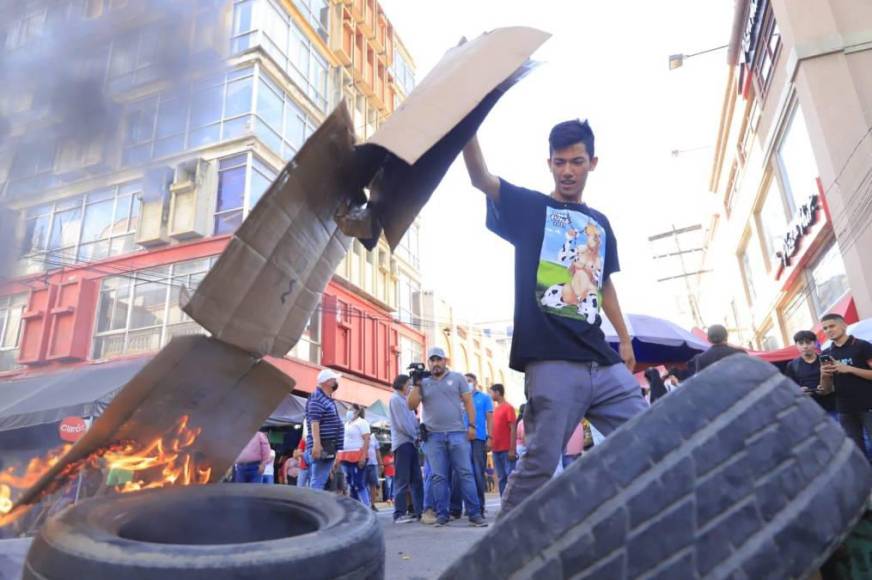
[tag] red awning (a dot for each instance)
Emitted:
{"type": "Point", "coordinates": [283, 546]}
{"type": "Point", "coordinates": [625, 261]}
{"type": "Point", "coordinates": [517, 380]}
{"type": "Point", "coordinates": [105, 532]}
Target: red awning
{"type": "Point", "coordinates": [785, 354]}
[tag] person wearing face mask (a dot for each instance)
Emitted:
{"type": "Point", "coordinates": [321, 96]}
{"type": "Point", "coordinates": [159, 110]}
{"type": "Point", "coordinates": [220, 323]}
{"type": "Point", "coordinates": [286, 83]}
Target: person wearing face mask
{"type": "Point", "coordinates": [355, 449]}
{"type": "Point", "coordinates": [443, 397]}
{"type": "Point", "coordinates": [325, 431]}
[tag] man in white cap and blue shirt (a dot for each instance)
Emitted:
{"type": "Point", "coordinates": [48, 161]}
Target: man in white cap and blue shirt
{"type": "Point", "coordinates": [325, 429]}
{"type": "Point", "coordinates": [443, 396]}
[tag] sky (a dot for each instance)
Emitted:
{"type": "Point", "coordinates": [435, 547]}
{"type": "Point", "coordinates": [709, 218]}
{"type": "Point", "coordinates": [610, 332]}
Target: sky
{"type": "Point", "coordinates": [606, 61]}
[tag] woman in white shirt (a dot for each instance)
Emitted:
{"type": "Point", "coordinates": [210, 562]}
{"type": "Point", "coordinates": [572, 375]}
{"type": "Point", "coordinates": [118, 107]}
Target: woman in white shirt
{"type": "Point", "coordinates": [354, 453]}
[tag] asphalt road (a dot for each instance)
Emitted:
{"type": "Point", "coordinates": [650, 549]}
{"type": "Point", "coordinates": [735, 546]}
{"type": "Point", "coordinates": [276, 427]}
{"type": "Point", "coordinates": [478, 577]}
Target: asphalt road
{"type": "Point", "coordinates": [415, 551]}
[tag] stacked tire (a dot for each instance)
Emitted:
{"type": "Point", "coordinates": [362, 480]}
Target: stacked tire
{"type": "Point", "coordinates": [736, 474]}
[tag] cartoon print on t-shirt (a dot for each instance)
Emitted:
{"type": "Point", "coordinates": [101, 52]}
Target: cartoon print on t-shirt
{"type": "Point", "coordinates": [569, 277]}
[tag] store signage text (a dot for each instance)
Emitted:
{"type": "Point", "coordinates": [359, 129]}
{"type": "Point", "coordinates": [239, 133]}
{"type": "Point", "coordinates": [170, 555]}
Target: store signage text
{"type": "Point", "coordinates": [807, 216]}
{"type": "Point", "coordinates": [72, 428]}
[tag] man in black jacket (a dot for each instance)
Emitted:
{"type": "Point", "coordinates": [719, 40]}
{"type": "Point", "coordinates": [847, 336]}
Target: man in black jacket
{"type": "Point", "coordinates": [717, 335]}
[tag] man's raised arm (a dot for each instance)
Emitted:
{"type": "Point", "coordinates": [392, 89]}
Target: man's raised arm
{"type": "Point", "coordinates": [481, 178]}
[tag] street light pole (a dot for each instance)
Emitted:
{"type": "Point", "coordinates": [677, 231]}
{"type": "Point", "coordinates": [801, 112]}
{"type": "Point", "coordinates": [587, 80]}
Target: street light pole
{"type": "Point", "coordinates": [677, 60]}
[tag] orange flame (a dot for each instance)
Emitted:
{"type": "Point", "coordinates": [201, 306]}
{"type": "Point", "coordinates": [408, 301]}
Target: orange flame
{"type": "Point", "coordinates": [166, 460]}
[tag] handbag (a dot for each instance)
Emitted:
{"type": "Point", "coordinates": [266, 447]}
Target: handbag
{"type": "Point", "coordinates": [351, 456]}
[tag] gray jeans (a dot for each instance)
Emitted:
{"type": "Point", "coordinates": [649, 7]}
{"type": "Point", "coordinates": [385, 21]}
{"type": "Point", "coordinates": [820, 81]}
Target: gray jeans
{"type": "Point", "coordinates": [559, 395]}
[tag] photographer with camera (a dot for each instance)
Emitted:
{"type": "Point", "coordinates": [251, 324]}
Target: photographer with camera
{"type": "Point", "coordinates": [443, 396]}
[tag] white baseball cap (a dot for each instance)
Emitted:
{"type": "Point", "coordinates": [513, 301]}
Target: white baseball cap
{"type": "Point", "coordinates": [327, 374]}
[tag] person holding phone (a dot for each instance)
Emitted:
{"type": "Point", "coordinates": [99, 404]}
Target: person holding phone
{"type": "Point", "coordinates": [805, 371]}
{"type": "Point", "coordinates": [846, 368]}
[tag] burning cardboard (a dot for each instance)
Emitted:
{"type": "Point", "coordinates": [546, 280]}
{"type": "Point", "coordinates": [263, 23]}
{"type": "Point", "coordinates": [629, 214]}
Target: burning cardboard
{"type": "Point", "coordinates": [258, 298]}
{"type": "Point", "coordinates": [224, 392]}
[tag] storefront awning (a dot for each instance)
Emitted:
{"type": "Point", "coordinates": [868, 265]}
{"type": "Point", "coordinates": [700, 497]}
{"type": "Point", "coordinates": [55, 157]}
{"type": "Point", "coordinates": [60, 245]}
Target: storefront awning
{"type": "Point", "coordinates": [82, 391]}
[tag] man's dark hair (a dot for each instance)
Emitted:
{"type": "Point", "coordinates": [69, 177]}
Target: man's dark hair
{"type": "Point", "coordinates": [717, 334]}
{"type": "Point", "coordinates": [400, 382]}
{"type": "Point", "coordinates": [360, 410]}
{"type": "Point", "coordinates": [804, 336]}
{"type": "Point", "coordinates": [471, 376]}
{"type": "Point", "coordinates": [569, 133]}
{"type": "Point", "coordinates": [833, 316]}
{"type": "Point", "coordinates": [499, 389]}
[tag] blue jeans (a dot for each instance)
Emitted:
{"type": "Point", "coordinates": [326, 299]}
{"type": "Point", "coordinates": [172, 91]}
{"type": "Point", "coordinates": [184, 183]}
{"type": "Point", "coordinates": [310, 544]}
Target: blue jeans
{"type": "Point", "coordinates": [303, 478]}
{"type": "Point", "coordinates": [356, 478]}
{"type": "Point", "coordinates": [407, 479]}
{"type": "Point", "coordinates": [246, 472]}
{"type": "Point", "coordinates": [267, 479]}
{"type": "Point", "coordinates": [449, 452]}
{"type": "Point", "coordinates": [504, 468]}
{"type": "Point", "coordinates": [319, 471]}
{"type": "Point", "coordinates": [858, 426]}
{"type": "Point", "coordinates": [478, 449]}
{"type": "Point", "coordinates": [428, 486]}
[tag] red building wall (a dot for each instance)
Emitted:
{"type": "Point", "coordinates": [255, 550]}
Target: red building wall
{"type": "Point", "coordinates": [359, 337]}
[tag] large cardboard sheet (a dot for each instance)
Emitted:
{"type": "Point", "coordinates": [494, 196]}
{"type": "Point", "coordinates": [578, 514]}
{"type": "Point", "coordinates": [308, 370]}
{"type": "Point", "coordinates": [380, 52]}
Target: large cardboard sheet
{"type": "Point", "coordinates": [263, 289]}
{"type": "Point", "coordinates": [427, 132]}
{"type": "Point", "coordinates": [223, 390]}
{"type": "Point", "coordinates": [456, 85]}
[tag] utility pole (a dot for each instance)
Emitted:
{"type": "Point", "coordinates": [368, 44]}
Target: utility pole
{"type": "Point", "coordinates": [681, 253]}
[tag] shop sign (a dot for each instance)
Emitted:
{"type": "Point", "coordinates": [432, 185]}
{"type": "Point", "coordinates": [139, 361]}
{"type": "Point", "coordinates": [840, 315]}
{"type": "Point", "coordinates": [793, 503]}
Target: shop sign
{"type": "Point", "coordinates": [752, 28]}
{"type": "Point", "coordinates": [807, 216]}
{"type": "Point", "coordinates": [72, 428]}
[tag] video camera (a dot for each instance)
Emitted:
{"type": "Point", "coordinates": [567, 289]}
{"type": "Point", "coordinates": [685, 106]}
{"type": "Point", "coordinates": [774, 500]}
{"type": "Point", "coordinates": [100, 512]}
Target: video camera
{"type": "Point", "coordinates": [418, 372]}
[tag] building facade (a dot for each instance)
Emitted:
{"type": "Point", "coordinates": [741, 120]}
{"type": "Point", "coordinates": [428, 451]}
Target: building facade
{"type": "Point", "coordinates": [791, 239]}
{"type": "Point", "coordinates": [108, 234]}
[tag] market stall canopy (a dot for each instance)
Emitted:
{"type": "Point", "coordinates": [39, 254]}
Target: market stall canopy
{"type": "Point", "coordinates": [82, 391]}
{"type": "Point", "coordinates": [292, 410]}
{"type": "Point", "coordinates": [378, 414]}
{"type": "Point", "coordinates": [656, 340]}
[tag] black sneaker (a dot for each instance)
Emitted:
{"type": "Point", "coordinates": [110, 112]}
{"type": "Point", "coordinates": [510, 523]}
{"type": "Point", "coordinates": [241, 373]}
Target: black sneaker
{"type": "Point", "coordinates": [477, 522]}
{"type": "Point", "coordinates": [456, 515]}
{"type": "Point", "coordinates": [441, 522]}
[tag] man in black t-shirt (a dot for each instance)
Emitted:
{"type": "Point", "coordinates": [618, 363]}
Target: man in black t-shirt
{"type": "Point", "coordinates": [847, 366]}
{"type": "Point", "coordinates": [805, 371]}
{"type": "Point", "coordinates": [565, 253]}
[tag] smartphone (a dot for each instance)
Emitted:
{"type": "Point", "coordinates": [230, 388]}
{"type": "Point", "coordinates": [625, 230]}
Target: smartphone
{"type": "Point", "coordinates": [827, 359]}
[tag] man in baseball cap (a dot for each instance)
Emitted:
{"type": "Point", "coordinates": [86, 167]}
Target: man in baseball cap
{"type": "Point", "coordinates": [443, 396]}
{"type": "Point", "coordinates": [325, 429]}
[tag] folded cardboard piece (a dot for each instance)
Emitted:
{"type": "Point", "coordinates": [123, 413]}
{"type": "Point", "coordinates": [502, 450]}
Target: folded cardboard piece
{"type": "Point", "coordinates": [262, 291]}
{"type": "Point", "coordinates": [226, 393]}
{"type": "Point", "coordinates": [429, 129]}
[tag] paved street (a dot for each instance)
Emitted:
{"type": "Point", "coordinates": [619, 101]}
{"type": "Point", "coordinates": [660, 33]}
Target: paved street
{"type": "Point", "coordinates": [415, 551]}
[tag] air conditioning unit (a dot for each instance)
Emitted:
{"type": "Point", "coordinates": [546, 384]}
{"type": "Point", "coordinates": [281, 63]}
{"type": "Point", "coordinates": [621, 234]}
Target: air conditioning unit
{"type": "Point", "coordinates": [152, 227]}
{"type": "Point", "coordinates": [192, 203]}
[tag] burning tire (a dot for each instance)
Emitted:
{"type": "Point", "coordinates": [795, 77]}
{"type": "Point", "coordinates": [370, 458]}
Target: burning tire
{"type": "Point", "coordinates": [736, 474]}
{"type": "Point", "coordinates": [210, 532]}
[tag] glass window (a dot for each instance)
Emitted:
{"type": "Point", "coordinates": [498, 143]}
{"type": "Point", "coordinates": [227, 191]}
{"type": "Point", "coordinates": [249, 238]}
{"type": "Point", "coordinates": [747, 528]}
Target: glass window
{"type": "Point", "coordinates": [748, 275]}
{"type": "Point", "coordinates": [11, 310]}
{"type": "Point", "coordinates": [242, 37]}
{"type": "Point", "coordinates": [829, 278]}
{"type": "Point", "coordinates": [80, 229]}
{"type": "Point", "coordinates": [796, 162]}
{"type": "Point", "coordinates": [773, 219]}
{"type": "Point", "coordinates": [139, 312]}
{"type": "Point", "coordinates": [234, 201]}
{"type": "Point", "coordinates": [269, 105]}
{"type": "Point", "coordinates": [797, 315]}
